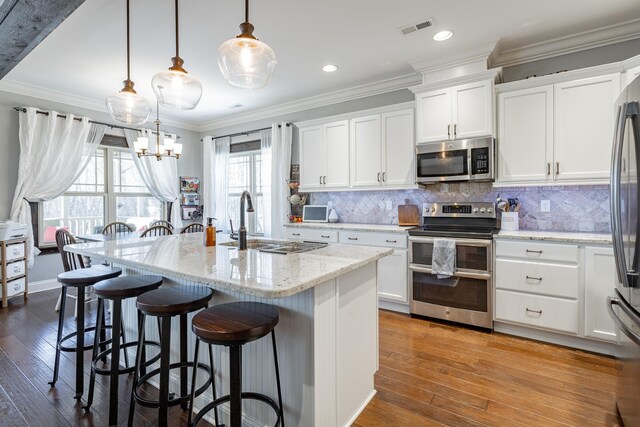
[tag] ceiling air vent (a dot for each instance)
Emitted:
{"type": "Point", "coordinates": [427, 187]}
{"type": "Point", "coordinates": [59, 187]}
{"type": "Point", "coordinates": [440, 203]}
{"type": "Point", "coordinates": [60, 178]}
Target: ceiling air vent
{"type": "Point", "coordinates": [412, 28]}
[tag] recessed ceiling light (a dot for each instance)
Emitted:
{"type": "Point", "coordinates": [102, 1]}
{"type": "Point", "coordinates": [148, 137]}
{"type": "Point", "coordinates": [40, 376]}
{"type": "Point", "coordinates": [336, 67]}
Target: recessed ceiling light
{"type": "Point", "coordinates": [329, 68]}
{"type": "Point", "coordinates": [443, 35]}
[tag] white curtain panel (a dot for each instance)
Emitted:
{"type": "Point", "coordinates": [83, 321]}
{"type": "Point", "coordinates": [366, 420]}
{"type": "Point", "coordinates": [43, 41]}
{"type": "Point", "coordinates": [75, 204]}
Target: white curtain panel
{"type": "Point", "coordinates": [277, 171]}
{"type": "Point", "coordinates": [266, 151]}
{"type": "Point", "coordinates": [53, 153]}
{"type": "Point", "coordinates": [216, 180]}
{"type": "Point", "coordinates": [160, 177]}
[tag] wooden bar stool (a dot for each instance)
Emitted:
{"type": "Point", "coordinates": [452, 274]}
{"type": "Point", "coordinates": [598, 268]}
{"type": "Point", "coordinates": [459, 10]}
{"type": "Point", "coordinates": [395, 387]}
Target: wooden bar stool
{"type": "Point", "coordinates": [165, 304]}
{"type": "Point", "coordinates": [79, 279]}
{"type": "Point", "coordinates": [233, 325]}
{"type": "Point", "coordinates": [116, 290]}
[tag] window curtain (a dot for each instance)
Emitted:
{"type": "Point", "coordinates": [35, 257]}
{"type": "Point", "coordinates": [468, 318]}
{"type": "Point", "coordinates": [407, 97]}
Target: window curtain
{"type": "Point", "coordinates": [53, 153]}
{"type": "Point", "coordinates": [276, 167]}
{"type": "Point", "coordinates": [216, 178]}
{"type": "Point", "coordinates": [160, 177]}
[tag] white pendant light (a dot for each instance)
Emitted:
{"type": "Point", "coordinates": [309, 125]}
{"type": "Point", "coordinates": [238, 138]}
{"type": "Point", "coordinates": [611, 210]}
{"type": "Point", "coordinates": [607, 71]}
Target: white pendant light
{"type": "Point", "coordinates": [174, 88]}
{"type": "Point", "coordinates": [245, 61]}
{"type": "Point", "coordinates": [127, 106]}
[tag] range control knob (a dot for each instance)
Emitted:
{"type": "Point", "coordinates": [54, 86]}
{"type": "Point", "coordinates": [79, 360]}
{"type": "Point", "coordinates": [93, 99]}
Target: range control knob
{"type": "Point", "coordinates": [482, 210]}
{"type": "Point", "coordinates": [475, 210]}
{"type": "Point", "coordinates": [489, 210]}
{"type": "Point", "coordinates": [433, 209]}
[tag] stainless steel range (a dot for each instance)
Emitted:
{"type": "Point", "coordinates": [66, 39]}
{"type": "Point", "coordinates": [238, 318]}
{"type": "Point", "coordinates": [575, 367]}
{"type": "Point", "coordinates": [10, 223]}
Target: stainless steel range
{"type": "Point", "coordinates": [465, 296]}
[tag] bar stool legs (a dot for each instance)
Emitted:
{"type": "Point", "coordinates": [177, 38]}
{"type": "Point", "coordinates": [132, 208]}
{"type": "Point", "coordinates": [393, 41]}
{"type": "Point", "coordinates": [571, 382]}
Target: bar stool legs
{"type": "Point", "coordinates": [56, 364]}
{"type": "Point", "coordinates": [193, 384]}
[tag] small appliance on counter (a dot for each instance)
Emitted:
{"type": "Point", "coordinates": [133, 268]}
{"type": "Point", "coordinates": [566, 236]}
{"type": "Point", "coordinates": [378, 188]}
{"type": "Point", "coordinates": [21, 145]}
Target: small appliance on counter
{"type": "Point", "coordinates": [315, 213]}
{"type": "Point", "coordinates": [10, 230]}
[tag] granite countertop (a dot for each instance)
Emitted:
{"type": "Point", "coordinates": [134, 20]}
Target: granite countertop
{"type": "Point", "coordinates": [381, 228]}
{"type": "Point", "coordinates": [251, 272]}
{"type": "Point", "coordinates": [557, 236]}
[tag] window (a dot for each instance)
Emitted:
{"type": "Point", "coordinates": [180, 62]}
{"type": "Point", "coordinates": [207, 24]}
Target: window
{"type": "Point", "coordinates": [109, 189]}
{"type": "Point", "coordinates": [245, 173]}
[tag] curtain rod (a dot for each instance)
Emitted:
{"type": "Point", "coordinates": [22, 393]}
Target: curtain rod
{"type": "Point", "coordinates": [248, 132]}
{"type": "Point", "coordinates": [46, 113]}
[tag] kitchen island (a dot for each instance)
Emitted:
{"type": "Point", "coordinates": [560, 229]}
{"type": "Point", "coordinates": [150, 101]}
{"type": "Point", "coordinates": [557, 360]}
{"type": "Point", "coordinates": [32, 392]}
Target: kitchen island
{"type": "Point", "coordinates": [328, 332]}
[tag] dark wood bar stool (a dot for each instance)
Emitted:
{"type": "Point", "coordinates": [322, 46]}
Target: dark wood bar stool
{"type": "Point", "coordinates": [233, 325]}
{"type": "Point", "coordinates": [80, 279]}
{"type": "Point", "coordinates": [116, 290]}
{"type": "Point", "coordinates": [165, 304]}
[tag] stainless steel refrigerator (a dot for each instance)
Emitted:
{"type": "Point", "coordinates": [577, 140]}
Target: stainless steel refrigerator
{"type": "Point", "coordinates": [624, 308]}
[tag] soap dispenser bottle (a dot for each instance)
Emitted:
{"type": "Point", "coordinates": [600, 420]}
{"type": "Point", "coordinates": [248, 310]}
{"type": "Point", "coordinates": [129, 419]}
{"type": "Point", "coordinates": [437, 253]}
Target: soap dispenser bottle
{"type": "Point", "coordinates": [210, 233]}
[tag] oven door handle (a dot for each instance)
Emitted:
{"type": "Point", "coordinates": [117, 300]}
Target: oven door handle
{"type": "Point", "coordinates": [457, 273]}
{"type": "Point", "coordinates": [459, 242]}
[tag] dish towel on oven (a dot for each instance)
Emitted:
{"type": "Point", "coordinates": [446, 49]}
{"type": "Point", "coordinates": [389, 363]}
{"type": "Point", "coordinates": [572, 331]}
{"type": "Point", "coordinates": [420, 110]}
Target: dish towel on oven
{"type": "Point", "coordinates": [443, 262]}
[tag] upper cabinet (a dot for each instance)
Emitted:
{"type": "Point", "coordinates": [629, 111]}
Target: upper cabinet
{"type": "Point", "coordinates": [557, 133]}
{"type": "Point", "coordinates": [364, 151]}
{"type": "Point", "coordinates": [459, 112]}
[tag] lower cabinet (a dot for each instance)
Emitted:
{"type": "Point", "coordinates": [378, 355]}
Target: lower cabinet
{"type": "Point", "coordinates": [599, 283]}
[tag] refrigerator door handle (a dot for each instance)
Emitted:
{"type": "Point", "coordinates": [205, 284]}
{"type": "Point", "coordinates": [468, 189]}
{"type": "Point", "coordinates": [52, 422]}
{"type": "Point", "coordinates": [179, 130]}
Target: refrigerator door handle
{"type": "Point", "coordinates": [619, 323]}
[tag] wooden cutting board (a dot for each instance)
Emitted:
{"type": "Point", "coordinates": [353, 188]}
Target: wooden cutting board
{"type": "Point", "coordinates": [408, 215]}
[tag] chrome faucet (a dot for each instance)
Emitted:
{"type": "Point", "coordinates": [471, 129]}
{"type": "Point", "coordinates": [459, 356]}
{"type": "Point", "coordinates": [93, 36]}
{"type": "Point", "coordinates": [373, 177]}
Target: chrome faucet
{"type": "Point", "coordinates": [242, 232]}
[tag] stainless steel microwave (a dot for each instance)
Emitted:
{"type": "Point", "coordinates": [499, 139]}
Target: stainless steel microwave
{"type": "Point", "coordinates": [461, 160]}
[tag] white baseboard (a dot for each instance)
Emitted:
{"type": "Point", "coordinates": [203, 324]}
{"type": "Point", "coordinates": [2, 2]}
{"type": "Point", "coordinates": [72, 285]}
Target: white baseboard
{"type": "Point", "coordinates": [393, 306]}
{"type": "Point", "coordinates": [43, 285]}
{"type": "Point", "coordinates": [359, 411]}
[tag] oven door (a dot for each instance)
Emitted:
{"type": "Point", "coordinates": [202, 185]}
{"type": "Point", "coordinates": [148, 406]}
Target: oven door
{"type": "Point", "coordinates": [436, 165]}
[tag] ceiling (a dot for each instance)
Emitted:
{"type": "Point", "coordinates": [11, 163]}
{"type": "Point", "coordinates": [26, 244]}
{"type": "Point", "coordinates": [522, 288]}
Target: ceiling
{"type": "Point", "coordinates": [85, 55]}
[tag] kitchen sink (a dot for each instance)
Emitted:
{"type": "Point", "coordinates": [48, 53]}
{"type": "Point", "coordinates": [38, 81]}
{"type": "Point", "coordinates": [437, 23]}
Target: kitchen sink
{"type": "Point", "coordinates": [278, 246]}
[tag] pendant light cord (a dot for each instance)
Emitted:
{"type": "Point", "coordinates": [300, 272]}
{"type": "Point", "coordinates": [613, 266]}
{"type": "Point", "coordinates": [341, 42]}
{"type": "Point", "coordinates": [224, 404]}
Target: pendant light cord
{"type": "Point", "coordinates": [177, 43]}
{"type": "Point", "coordinates": [128, 46]}
{"type": "Point", "coordinates": [246, 10]}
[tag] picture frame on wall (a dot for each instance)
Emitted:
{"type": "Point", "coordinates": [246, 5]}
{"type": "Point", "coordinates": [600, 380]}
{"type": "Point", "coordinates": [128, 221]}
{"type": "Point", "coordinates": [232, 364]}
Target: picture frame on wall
{"type": "Point", "coordinates": [190, 212]}
{"type": "Point", "coordinates": [189, 184]}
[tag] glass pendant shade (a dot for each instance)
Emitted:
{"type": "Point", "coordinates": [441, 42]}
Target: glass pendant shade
{"type": "Point", "coordinates": [174, 88]}
{"type": "Point", "coordinates": [169, 144]}
{"type": "Point", "coordinates": [177, 149]}
{"type": "Point", "coordinates": [129, 107]}
{"type": "Point", "coordinates": [246, 62]}
{"type": "Point", "coordinates": [141, 144]}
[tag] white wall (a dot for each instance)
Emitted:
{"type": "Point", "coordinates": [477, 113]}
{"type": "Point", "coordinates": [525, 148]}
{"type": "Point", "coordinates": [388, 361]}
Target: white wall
{"type": "Point", "coordinates": [48, 266]}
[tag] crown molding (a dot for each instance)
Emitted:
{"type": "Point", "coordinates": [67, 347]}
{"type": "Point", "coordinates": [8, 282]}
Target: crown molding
{"type": "Point", "coordinates": [76, 101]}
{"type": "Point", "coordinates": [477, 56]}
{"type": "Point", "coordinates": [343, 95]}
{"type": "Point", "coordinates": [591, 39]}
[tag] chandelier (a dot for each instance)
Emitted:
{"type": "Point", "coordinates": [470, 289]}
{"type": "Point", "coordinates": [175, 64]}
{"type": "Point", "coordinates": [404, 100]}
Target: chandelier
{"type": "Point", "coordinates": [168, 148]}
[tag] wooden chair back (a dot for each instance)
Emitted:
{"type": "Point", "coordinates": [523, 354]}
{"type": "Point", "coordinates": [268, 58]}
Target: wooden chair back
{"type": "Point", "coordinates": [70, 261]}
{"type": "Point", "coordinates": [117, 227]}
{"type": "Point", "coordinates": [192, 228]}
{"type": "Point", "coordinates": [157, 230]}
{"type": "Point", "coordinates": [162, 222]}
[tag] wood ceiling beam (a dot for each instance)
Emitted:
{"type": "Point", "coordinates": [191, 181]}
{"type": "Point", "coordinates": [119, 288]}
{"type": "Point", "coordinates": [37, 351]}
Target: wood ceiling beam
{"type": "Point", "coordinates": [25, 23]}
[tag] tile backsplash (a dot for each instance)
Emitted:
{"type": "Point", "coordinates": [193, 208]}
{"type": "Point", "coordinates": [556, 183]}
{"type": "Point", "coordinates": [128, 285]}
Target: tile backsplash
{"type": "Point", "coordinates": [573, 208]}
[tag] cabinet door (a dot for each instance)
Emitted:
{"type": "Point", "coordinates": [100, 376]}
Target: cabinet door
{"type": "Point", "coordinates": [599, 283]}
{"type": "Point", "coordinates": [366, 152]}
{"type": "Point", "coordinates": [472, 107]}
{"type": "Point", "coordinates": [336, 140]}
{"type": "Point", "coordinates": [434, 115]}
{"type": "Point", "coordinates": [584, 121]}
{"type": "Point", "coordinates": [392, 277]}
{"type": "Point", "coordinates": [312, 152]}
{"type": "Point", "coordinates": [398, 145]}
{"type": "Point", "coordinates": [525, 134]}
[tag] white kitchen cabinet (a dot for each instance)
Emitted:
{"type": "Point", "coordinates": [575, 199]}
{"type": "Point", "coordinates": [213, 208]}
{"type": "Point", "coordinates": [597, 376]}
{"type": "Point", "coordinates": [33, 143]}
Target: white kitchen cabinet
{"type": "Point", "coordinates": [382, 150]}
{"type": "Point", "coordinates": [525, 134]}
{"type": "Point", "coordinates": [583, 124]}
{"type": "Point", "coordinates": [392, 277]}
{"type": "Point", "coordinates": [459, 112]}
{"type": "Point", "coordinates": [324, 156]}
{"type": "Point", "coordinates": [599, 283]}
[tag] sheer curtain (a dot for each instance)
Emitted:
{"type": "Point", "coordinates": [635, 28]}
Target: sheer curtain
{"type": "Point", "coordinates": [276, 161]}
{"type": "Point", "coordinates": [53, 153]}
{"type": "Point", "coordinates": [216, 179]}
{"type": "Point", "coordinates": [160, 177]}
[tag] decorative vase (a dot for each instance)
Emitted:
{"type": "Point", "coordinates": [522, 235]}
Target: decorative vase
{"type": "Point", "coordinates": [333, 216]}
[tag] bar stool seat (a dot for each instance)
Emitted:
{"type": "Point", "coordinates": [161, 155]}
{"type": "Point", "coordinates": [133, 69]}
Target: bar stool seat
{"type": "Point", "coordinates": [165, 304]}
{"type": "Point", "coordinates": [88, 276]}
{"type": "Point", "coordinates": [233, 325]}
{"type": "Point", "coordinates": [116, 290]}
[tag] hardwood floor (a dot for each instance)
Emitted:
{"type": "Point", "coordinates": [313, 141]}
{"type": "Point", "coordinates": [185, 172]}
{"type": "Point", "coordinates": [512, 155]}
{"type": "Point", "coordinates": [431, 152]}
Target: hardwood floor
{"type": "Point", "coordinates": [430, 374]}
{"type": "Point", "coordinates": [439, 374]}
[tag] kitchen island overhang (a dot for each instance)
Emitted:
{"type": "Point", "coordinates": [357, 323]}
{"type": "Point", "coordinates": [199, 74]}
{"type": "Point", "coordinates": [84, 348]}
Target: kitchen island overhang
{"type": "Point", "coordinates": [328, 331]}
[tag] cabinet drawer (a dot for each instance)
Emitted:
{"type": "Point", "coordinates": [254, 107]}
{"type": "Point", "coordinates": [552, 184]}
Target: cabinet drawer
{"type": "Point", "coordinates": [313, 235]}
{"type": "Point", "coordinates": [14, 252]}
{"type": "Point", "coordinates": [15, 269]}
{"type": "Point", "coordinates": [16, 286]}
{"type": "Point", "coordinates": [532, 250]}
{"type": "Point", "coordinates": [386, 240]}
{"type": "Point", "coordinates": [536, 310]}
{"type": "Point", "coordinates": [537, 277]}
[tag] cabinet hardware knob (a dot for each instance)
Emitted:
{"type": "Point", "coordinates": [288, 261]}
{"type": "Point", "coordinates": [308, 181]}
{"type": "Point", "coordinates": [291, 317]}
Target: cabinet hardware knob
{"type": "Point", "coordinates": [353, 238]}
{"type": "Point", "coordinates": [548, 168]}
{"type": "Point", "coordinates": [392, 241]}
{"type": "Point", "coordinates": [557, 168]}
{"type": "Point", "coordinates": [325, 237]}
{"type": "Point", "coordinates": [378, 176]}
{"type": "Point", "coordinates": [296, 234]}
{"type": "Point", "coordinates": [449, 131]}
{"type": "Point", "coordinates": [539, 279]}
{"type": "Point", "coordinates": [455, 131]}
{"type": "Point", "coordinates": [320, 179]}
{"type": "Point", "coordinates": [534, 311]}
{"type": "Point", "coordinates": [533, 252]}
{"type": "Point", "coordinates": [384, 177]}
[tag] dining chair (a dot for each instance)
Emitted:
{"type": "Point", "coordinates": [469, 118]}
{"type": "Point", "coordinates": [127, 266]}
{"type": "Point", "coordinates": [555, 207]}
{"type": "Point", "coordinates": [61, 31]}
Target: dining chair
{"type": "Point", "coordinates": [193, 228]}
{"type": "Point", "coordinates": [70, 262]}
{"type": "Point", "coordinates": [162, 222]}
{"type": "Point", "coordinates": [117, 227]}
{"type": "Point", "coordinates": [157, 230]}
